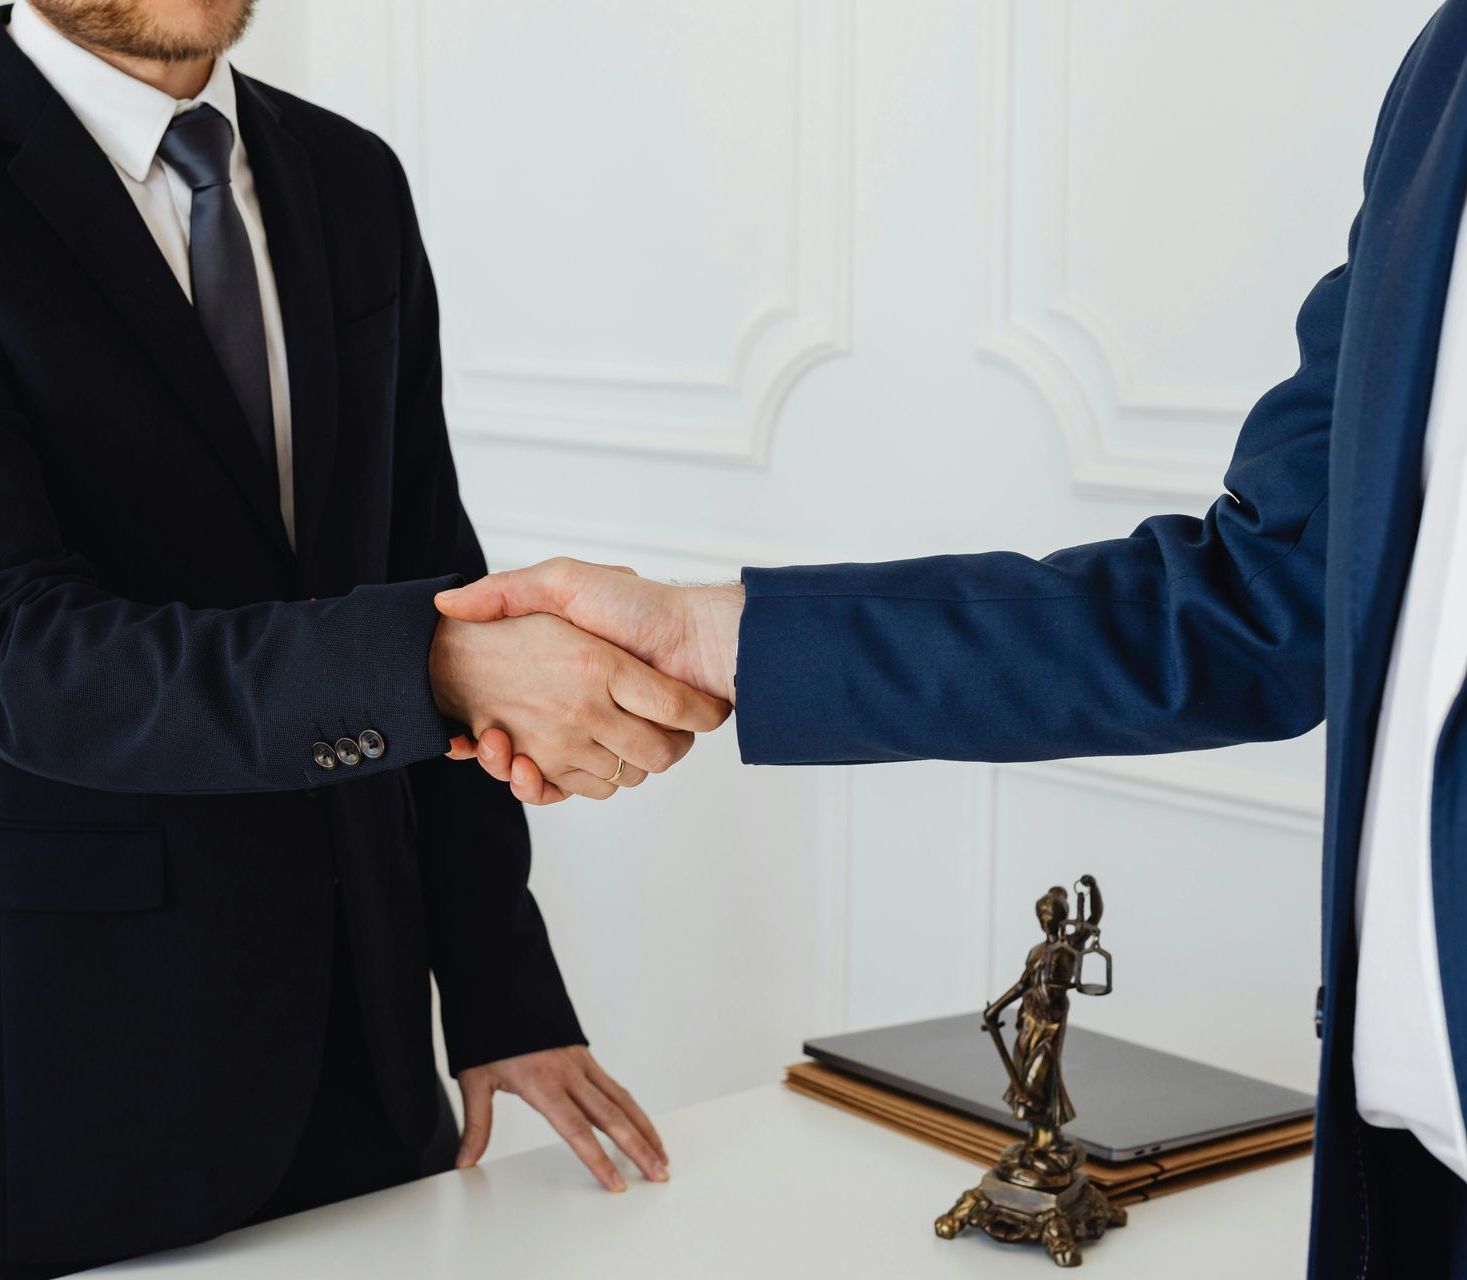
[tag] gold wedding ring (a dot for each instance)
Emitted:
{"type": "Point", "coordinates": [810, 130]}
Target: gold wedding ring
{"type": "Point", "coordinates": [620, 766]}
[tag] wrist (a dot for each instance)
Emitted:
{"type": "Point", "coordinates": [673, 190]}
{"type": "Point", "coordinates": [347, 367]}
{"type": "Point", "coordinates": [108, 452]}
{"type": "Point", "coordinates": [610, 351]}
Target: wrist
{"type": "Point", "coordinates": [445, 669]}
{"type": "Point", "coordinates": [713, 625]}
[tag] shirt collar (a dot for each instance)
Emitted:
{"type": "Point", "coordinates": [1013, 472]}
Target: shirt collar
{"type": "Point", "coordinates": [126, 117]}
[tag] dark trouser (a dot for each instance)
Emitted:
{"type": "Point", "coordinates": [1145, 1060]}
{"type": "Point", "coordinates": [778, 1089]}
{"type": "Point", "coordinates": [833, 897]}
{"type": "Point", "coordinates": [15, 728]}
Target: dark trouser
{"type": "Point", "coordinates": [1417, 1225]}
{"type": "Point", "coordinates": [349, 1146]}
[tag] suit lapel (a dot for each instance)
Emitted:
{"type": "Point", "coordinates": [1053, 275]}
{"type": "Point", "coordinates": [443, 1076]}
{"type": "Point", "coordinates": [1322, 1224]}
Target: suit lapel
{"type": "Point", "coordinates": [1392, 396]}
{"type": "Point", "coordinates": [72, 185]}
{"type": "Point", "coordinates": [292, 216]}
{"type": "Point", "coordinates": [1402, 268]}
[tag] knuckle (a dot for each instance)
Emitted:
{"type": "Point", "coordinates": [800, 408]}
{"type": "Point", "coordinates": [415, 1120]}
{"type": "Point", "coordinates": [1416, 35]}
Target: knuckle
{"type": "Point", "coordinates": [661, 756]}
{"type": "Point", "coordinates": [672, 705]}
{"type": "Point", "coordinates": [539, 1076]}
{"type": "Point", "coordinates": [590, 663]}
{"type": "Point", "coordinates": [559, 571]}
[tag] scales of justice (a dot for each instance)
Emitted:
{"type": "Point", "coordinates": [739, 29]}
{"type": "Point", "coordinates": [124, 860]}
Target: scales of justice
{"type": "Point", "coordinates": [1037, 1191]}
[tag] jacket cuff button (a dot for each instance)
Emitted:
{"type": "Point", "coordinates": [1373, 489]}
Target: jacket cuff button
{"type": "Point", "coordinates": [323, 755]}
{"type": "Point", "coordinates": [372, 743]}
{"type": "Point", "coordinates": [348, 752]}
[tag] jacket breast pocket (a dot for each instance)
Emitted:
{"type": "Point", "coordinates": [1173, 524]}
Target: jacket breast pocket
{"type": "Point", "coordinates": [371, 332]}
{"type": "Point", "coordinates": [367, 367]}
{"type": "Point", "coordinates": [81, 868]}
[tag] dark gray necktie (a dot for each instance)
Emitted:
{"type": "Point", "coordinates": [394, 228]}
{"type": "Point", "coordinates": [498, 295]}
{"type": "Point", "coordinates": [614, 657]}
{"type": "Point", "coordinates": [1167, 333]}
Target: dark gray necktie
{"type": "Point", "coordinates": [226, 291]}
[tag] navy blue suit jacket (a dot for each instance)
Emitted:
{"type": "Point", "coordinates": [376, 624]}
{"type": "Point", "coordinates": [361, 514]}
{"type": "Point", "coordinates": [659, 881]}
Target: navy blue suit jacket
{"type": "Point", "coordinates": [168, 845]}
{"type": "Point", "coordinates": [1275, 609]}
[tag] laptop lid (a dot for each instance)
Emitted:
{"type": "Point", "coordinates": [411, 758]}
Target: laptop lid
{"type": "Point", "coordinates": [1130, 1100]}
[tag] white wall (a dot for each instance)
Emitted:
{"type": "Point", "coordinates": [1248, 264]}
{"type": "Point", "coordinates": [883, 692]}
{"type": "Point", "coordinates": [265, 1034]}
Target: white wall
{"type": "Point", "coordinates": [806, 280]}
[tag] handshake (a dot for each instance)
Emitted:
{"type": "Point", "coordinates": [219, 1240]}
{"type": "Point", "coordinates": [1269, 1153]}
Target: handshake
{"type": "Point", "coordinates": [579, 679]}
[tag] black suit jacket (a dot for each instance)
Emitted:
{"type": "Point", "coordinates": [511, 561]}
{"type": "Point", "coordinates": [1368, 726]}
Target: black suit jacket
{"type": "Point", "coordinates": [168, 846]}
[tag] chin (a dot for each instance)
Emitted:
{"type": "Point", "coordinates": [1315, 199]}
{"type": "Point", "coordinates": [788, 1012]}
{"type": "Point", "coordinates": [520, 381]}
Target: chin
{"type": "Point", "coordinates": [211, 25]}
{"type": "Point", "coordinates": [165, 30]}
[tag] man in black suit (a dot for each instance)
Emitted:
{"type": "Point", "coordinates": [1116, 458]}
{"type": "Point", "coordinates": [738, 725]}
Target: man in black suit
{"type": "Point", "coordinates": [231, 845]}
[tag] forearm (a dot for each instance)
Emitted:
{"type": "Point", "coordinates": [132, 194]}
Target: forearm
{"type": "Point", "coordinates": [1000, 658]}
{"type": "Point", "coordinates": [122, 696]}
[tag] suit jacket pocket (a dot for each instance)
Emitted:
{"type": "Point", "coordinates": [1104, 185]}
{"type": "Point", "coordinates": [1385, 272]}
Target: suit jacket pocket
{"type": "Point", "coordinates": [81, 868]}
{"type": "Point", "coordinates": [378, 328]}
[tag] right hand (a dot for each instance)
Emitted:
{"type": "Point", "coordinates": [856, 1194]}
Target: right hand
{"type": "Point", "coordinates": [571, 701]}
{"type": "Point", "coordinates": [689, 633]}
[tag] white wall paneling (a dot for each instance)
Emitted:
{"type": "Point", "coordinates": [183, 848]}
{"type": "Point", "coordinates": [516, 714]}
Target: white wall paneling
{"type": "Point", "coordinates": [1143, 220]}
{"type": "Point", "coordinates": [713, 141]}
{"type": "Point", "coordinates": [714, 276]}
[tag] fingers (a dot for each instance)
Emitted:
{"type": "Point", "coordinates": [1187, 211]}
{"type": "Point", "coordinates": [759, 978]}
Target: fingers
{"type": "Point", "coordinates": [461, 747]}
{"type": "Point", "coordinates": [526, 782]}
{"type": "Point", "coordinates": [496, 754]}
{"type": "Point", "coordinates": [662, 700]}
{"type": "Point", "coordinates": [605, 761]}
{"type": "Point", "coordinates": [613, 1090]}
{"type": "Point", "coordinates": [529, 785]}
{"type": "Point", "coordinates": [580, 782]}
{"type": "Point", "coordinates": [647, 748]}
{"type": "Point", "coordinates": [478, 1098]}
{"type": "Point", "coordinates": [569, 1088]}
{"type": "Point", "coordinates": [614, 1121]}
{"type": "Point", "coordinates": [568, 1120]}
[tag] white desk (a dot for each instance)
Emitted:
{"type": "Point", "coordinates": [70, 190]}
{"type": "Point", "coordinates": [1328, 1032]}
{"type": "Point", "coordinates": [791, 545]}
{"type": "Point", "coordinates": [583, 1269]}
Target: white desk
{"type": "Point", "coordinates": [765, 1184]}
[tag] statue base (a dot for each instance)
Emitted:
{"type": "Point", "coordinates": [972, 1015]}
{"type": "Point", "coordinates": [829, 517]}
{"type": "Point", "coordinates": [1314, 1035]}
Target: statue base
{"type": "Point", "coordinates": [1058, 1219]}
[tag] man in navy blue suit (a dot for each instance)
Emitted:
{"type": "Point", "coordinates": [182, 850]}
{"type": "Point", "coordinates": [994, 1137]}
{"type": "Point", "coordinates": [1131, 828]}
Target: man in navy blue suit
{"type": "Point", "coordinates": [231, 848]}
{"type": "Point", "coordinates": [1329, 581]}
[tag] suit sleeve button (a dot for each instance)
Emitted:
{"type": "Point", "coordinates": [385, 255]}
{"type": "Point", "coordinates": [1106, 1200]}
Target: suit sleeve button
{"type": "Point", "coordinates": [372, 743]}
{"type": "Point", "coordinates": [323, 755]}
{"type": "Point", "coordinates": [348, 752]}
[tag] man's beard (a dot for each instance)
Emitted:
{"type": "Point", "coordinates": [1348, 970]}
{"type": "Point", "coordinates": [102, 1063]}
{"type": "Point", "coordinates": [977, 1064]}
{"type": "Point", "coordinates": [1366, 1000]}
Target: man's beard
{"type": "Point", "coordinates": [130, 28]}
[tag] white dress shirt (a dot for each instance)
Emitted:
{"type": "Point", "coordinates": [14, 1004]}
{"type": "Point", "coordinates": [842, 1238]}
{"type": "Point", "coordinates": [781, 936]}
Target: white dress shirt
{"type": "Point", "coordinates": [127, 118]}
{"type": "Point", "coordinates": [1403, 1061]}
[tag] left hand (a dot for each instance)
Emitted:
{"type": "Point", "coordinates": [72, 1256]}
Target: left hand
{"type": "Point", "coordinates": [568, 1087]}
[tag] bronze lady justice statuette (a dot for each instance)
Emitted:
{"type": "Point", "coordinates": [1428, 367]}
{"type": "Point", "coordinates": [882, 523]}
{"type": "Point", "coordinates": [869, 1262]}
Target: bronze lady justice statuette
{"type": "Point", "coordinates": [1037, 1191]}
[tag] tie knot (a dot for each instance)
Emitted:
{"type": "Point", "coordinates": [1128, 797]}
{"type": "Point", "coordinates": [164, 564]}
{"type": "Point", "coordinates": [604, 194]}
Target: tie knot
{"type": "Point", "coordinates": [197, 145]}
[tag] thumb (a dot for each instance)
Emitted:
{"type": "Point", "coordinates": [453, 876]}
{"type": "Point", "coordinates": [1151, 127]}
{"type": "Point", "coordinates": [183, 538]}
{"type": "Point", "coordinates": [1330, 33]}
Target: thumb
{"type": "Point", "coordinates": [648, 693]}
{"type": "Point", "coordinates": [541, 588]}
{"type": "Point", "coordinates": [481, 601]}
{"type": "Point", "coordinates": [478, 1098]}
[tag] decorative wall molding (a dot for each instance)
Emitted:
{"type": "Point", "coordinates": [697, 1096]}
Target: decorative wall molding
{"type": "Point", "coordinates": [725, 413]}
{"type": "Point", "coordinates": [712, 557]}
{"type": "Point", "coordinates": [1239, 795]}
{"type": "Point", "coordinates": [1071, 352]}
